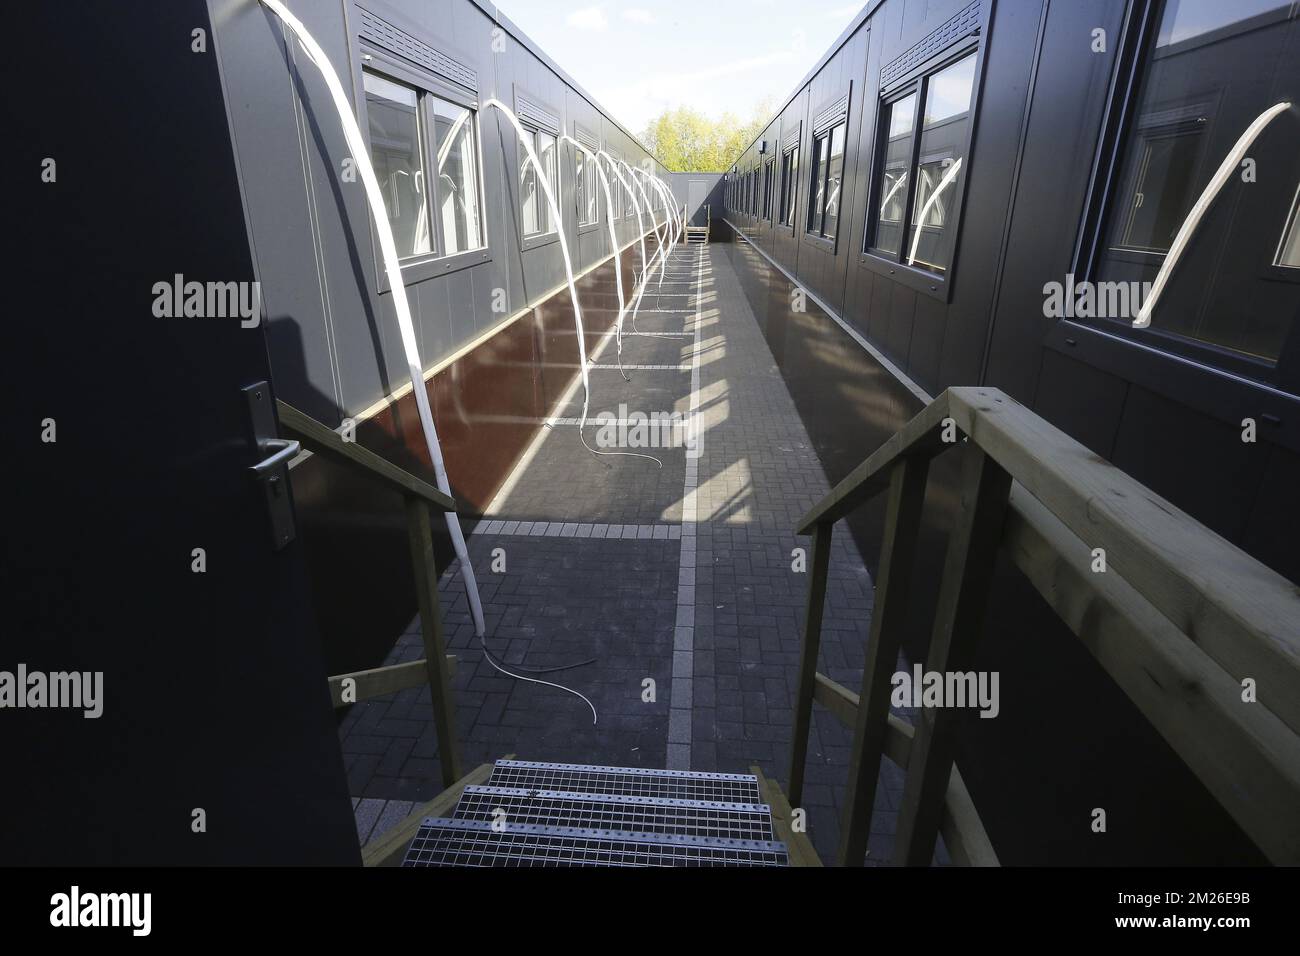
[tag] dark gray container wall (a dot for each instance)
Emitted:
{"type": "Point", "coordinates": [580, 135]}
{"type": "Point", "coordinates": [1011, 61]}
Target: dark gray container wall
{"type": "Point", "coordinates": [694, 192]}
{"type": "Point", "coordinates": [1067, 740]}
{"type": "Point", "coordinates": [335, 347]}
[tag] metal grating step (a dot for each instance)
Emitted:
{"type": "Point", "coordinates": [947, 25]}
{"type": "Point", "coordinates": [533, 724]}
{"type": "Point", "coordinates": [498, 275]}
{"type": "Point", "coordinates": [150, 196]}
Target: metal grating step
{"type": "Point", "coordinates": [442, 842]}
{"type": "Point", "coordinates": [627, 781]}
{"type": "Point", "coordinates": [692, 818]}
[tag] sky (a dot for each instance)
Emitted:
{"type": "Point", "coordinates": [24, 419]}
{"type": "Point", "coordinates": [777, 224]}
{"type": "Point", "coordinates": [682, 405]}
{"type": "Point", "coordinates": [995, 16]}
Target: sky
{"type": "Point", "coordinates": [712, 55]}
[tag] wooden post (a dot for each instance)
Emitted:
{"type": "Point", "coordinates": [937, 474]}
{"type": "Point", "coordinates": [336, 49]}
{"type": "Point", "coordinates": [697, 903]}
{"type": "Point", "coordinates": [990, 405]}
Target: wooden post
{"type": "Point", "coordinates": [812, 639]}
{"type": "Point", "coordinates": [420, 535]}
{"type": "Point", "coordinates": [959, 616]}
{"type": "Point", "coordinates": [888, 616]}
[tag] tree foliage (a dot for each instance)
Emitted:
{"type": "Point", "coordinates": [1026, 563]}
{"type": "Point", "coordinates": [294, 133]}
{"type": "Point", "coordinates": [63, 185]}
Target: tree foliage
{"type": "Point", "coordinates": [686, 140]}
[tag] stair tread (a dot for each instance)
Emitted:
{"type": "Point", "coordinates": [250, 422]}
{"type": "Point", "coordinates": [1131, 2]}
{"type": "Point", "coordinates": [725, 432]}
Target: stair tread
{"type": "Point", "coordinates": [621, 812]}
{"type": "Point", "coordinates": [451, 842]}
{"type": "Point", "coordinates": [628, 781]}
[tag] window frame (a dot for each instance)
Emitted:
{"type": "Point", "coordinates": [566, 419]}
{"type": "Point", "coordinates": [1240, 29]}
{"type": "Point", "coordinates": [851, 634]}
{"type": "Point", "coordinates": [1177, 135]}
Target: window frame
{"type": "Point", "coordinates": [552, 234]}
{"type": "Point", "coordinates": [593, 182]}
{"type": "Point", "coordinates": [789, 189]}
{"type": "Point", "coordinates": [769, 190]}
{"type": "Point", "coordinates": [420, 268]}
{"type": "Point", "coordinates": [1221, 382]}
{"type": "Point", "coordinates": [917, 81]}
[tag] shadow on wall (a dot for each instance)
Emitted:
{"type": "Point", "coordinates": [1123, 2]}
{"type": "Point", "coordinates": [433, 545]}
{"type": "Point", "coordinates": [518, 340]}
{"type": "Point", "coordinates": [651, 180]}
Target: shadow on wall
{"type": "Point", "coordinates": [1067, 739]}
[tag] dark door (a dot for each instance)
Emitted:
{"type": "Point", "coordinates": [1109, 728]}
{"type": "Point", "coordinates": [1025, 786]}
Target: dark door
{"type": "Point", "coordinates": [138, 544]}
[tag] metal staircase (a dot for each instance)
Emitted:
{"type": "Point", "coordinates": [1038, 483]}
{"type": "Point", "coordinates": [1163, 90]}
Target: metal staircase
{"type": "Point", "coordinates": [555, 814]}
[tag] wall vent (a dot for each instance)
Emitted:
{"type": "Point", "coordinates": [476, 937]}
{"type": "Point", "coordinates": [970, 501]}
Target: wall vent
{"type": "Point", "coordinates": [533, 112]}
{"type": "Point", "coordinates": [961, 24]}
{"type": "Point", "coordinates": [382, 33]}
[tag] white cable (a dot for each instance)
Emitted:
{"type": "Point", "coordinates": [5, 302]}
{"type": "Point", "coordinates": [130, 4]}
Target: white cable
{"type": "Point", "coordinates": [1217, 182]}
{"type": "Point", "coordinates": [618, 324]}
{"type": "Point", "coordinates": [392, 268]}
{"type": "Point", "coordinates": [944, 183]}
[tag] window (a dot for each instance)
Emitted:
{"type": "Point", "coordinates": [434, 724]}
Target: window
{"type": "Point", "coordinates": [927, 126]}
{"type": "Point", "coordinates": [535, 213]}
{"type": "Point", "coordinates": [412, 131]}
{"type": "Point", "coordinates": [1207, 73]}
{"type": "Point", "coordinates": [397, 153]}
{"type": "Point", "coordinates": [1288, 251]}
{"type": "Point", "coordinates": [827, 173]}
{"type": "Point", "coordinates": [789, 182]}
{"type": "Point", "coordinates": [769, 185]}
{"type": "Point", "coordinates": [458, 177]}
{"type": "Point", "coordinates": [585, 186]}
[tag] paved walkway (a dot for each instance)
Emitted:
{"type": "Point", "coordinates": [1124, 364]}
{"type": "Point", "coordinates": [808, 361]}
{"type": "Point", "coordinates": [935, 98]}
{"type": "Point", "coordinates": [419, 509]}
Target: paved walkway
{"type": "Point", "coordinates": [676, 582]}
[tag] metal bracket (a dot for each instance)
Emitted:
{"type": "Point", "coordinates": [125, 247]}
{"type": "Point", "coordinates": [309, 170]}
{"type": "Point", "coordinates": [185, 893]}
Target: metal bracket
{"type": "Point", "coordinates": [272, 468]}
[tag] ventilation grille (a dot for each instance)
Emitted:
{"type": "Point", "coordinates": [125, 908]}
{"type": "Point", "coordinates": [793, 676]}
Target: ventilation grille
{"type": "Point", "coordinates": [474, 843]}
{"type": "Point", "coordinates": [536, 113]}
{"type": "Point", "coordinates": [963, 23]}
{"type": "Point", "coordinates": [382, 33]}
{"type": "Point", "coordinates": [586, 137]}
{"type": "Point", "coordinates": [831, 114]}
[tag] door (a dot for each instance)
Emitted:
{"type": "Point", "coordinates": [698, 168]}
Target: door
{"type": "Point", "coordinates": [697, 194]}
{"type": "Point", "coordinates": [185, 715]}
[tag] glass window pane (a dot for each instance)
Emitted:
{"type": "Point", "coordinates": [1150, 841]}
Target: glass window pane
{"type": "Point", "coordinates": [817, 199]}
{"type": "Point", "coordinates": [396, 153]}
{"type": "Point", "coordinates": [834, 176]}
{"type": "Point", "coordinates": [1211, 71]}
{"type": "Point", "coordinates": [939, 170]}
{"type": "Point", "coordinates": [458, 183]}
{"type": "Point", "coordinates": [531, 202]}
{"type": "Point", "coordinates": [1288, 253]}
{"type": "Point", "coordinates": [794, 184]}
{"type": "Point", "coordinates": [893, 188]}
{"type": "Point", "coordinates": [593, 187]}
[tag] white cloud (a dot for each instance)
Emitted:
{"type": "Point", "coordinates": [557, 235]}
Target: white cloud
{"type": "Point", "coordinates": [843, 13]}
{"type": "Point", "coordinates": [638, 15]}
{"type": "Point", "coordinates": [589, 18]}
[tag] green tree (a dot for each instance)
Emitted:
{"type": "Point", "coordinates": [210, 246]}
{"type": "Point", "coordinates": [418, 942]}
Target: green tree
{"type": "Point", "coordinates": [686, 140]}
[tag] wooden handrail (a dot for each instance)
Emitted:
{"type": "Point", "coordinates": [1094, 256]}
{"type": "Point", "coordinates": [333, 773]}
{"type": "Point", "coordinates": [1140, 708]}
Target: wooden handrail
{"type": "Point", "coordinates": [324, 441]}
{"type": "Point", "coordinates": [1179, 619]}
{"type": "Point", "coordinates": [417, 497]}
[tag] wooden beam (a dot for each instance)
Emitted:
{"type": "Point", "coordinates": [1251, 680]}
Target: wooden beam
{"type": "Point", "coordinates": [801, 850]}
{"type": "Point", "coordinates": [808, 650]}
{"type": "Point", "coordinates": [327, 443]}
{"type": "Point", "coordinates": [389, 848]}
{"type": "Point", "coordinates": [1242, 614]}
{"type": "Point", "coordinates": [420, 537]}
{"type": "Point", "coordinates": [378, 681]}
{"type": "Point", "coordinates": [1243, 752]}
{"type": "Point", "coordinates": [959, 618]}
{"type": "Point", "coordinates": [907, 480]}
{"type": "Point", "coordinates": [922, 437]}
{"type": "Point", "coordinates": [960, 826]}
{"type": "Point", "coordinates": [843, 705]}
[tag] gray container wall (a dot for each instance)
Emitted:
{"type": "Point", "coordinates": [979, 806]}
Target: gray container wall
{"type": "Point", "coordinates": [694, 191]}
{"type": "Point", "coordinates": [334, 341]}
{"type": "Point", "coordinates": [1067, 740]}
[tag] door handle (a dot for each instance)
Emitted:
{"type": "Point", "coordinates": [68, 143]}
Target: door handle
{"type": "Point", "coordinates": [275, 453]}
{"type": "Point", "coordinates": [282, 450]}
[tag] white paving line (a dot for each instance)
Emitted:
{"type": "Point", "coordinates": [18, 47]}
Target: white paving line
{"type": "Point", "coordinates": [683, 689]}
{"type": "Point", "coordinates": [640, 368]}
{"type": "Point", "coordinates": [500, 528]}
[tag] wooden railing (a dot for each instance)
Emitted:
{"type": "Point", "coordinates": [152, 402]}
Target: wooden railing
{"type": "Point", "coordinates": [1183, 621]}
{"type": "Point", "coordinates": [418, 497]}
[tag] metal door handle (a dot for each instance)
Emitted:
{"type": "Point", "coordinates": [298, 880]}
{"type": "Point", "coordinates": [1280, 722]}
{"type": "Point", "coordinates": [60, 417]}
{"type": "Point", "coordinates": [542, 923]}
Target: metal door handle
{"type": "Point", "coordinates": [283, 449]}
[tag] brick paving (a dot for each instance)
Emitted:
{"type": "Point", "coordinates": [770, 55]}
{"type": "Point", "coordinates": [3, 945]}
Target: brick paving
{"type": "Point", "coordinates": [680, 575]}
